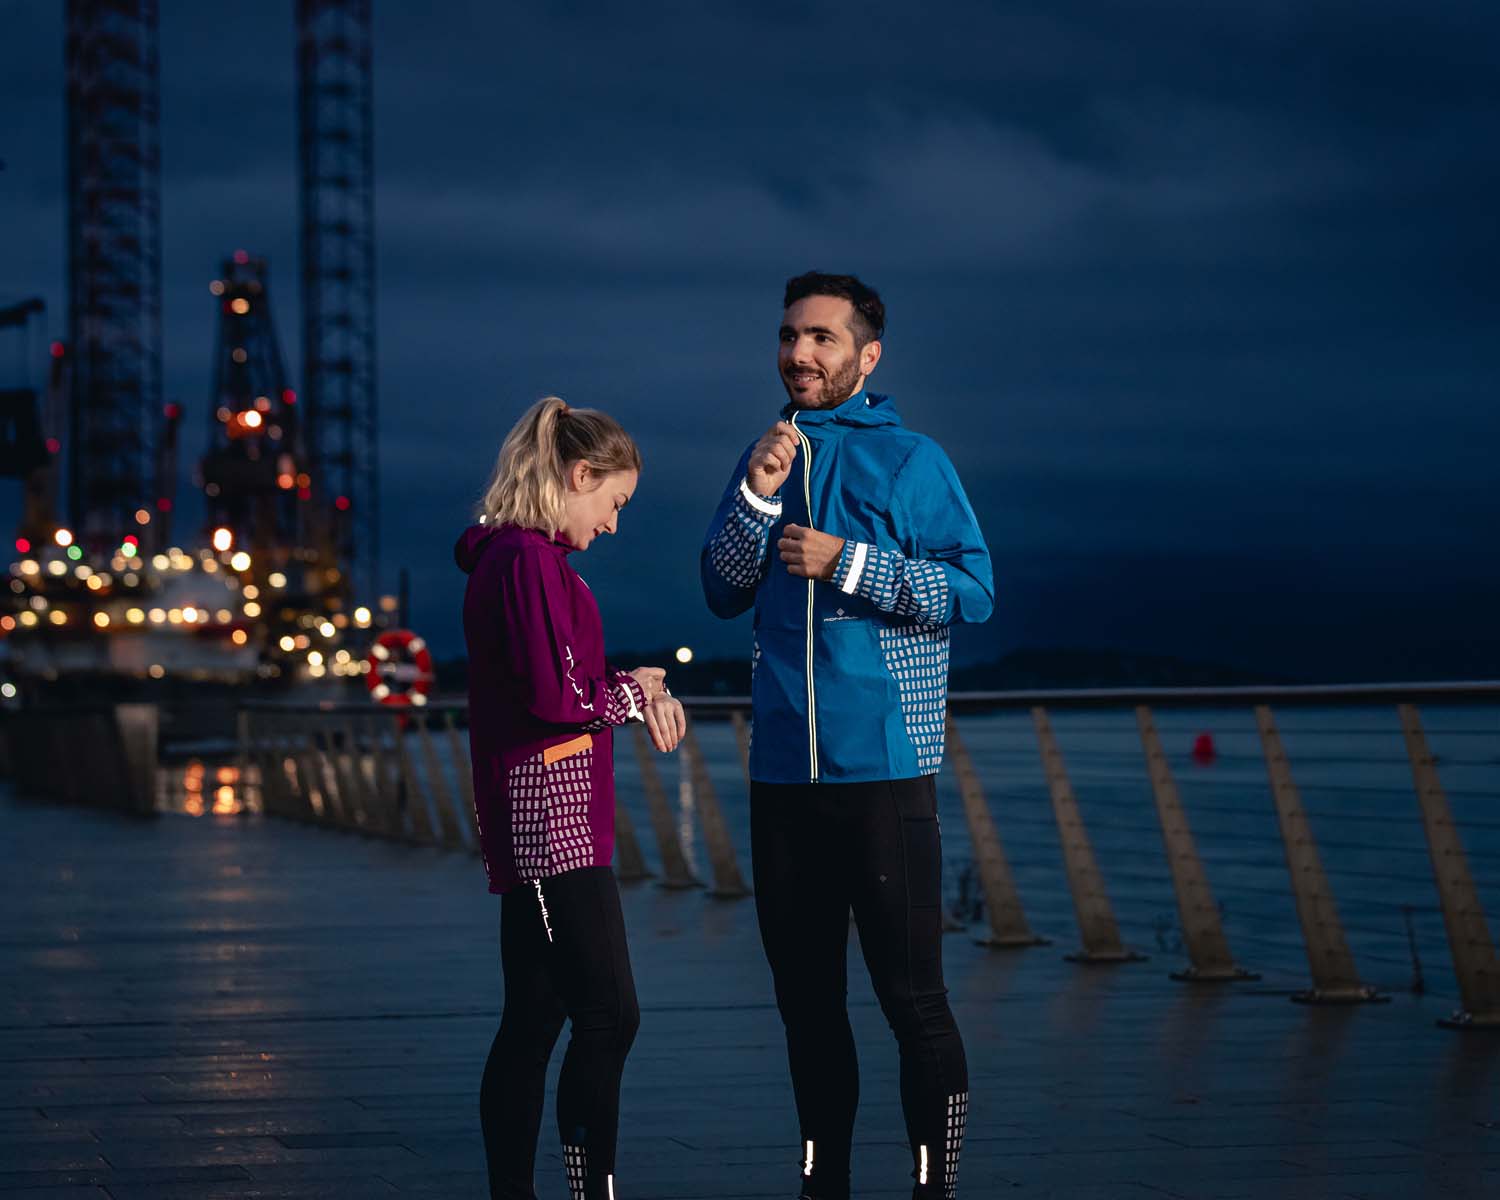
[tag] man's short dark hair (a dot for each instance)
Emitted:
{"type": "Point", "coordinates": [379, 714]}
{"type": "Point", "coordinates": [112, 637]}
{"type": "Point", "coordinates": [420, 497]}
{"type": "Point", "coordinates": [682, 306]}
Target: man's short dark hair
{"type": "Point", "coordinates": [868, 323]}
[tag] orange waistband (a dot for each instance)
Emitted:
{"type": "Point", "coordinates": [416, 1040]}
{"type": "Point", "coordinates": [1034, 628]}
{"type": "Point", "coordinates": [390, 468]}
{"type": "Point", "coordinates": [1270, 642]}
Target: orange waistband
{"type": "Point", "coordinates": [567, 749]}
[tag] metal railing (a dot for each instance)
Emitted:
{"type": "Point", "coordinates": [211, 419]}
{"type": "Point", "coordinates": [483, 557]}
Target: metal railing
{"type": "Point", "coordinates": [406, 775]}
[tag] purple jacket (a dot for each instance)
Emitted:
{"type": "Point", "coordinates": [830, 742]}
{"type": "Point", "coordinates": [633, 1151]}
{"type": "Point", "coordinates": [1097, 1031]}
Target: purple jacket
{"type": "Point", "coordinates": [542, 703]}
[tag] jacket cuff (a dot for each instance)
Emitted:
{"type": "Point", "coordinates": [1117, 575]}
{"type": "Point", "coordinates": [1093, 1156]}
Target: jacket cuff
{"type": "Point", "coordinates": [635, 698]}
{"type": "Point", "coordinates": [766, 506]}
{"type": "Point", "coordinates": [851, 566]}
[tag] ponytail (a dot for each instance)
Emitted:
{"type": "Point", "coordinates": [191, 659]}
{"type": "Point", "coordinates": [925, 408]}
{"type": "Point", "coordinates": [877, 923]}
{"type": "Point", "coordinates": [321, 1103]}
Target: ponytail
{"type": "Point", "coordinates": [529, 484]}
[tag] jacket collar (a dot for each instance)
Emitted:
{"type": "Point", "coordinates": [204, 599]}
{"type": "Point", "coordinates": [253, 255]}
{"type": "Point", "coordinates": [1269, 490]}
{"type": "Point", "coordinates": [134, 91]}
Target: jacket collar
{"type": "Point", "coordinates": [864, 408]}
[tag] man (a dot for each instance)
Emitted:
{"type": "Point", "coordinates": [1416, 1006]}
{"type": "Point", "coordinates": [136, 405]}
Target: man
{"type": "Point", "coordinates": [853, 540]}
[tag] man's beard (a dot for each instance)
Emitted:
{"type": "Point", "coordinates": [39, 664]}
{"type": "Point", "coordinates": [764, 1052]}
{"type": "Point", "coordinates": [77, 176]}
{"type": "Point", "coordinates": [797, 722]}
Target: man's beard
{"type": "Point", "coordinates": [836, 388]}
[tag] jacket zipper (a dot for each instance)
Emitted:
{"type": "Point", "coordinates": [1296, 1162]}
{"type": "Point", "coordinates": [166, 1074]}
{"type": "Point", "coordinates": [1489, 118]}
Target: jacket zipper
{"type": "Point", "coordinates": [812, 721]}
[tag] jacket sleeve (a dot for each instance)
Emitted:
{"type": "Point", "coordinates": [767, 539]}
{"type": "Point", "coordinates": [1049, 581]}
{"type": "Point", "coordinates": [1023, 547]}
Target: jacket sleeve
{"type": "Point", "coordinates": [736, 551]}
{"type": "Point", "coordinates": [944, 575]}
{"type": "Point", "coordinates": [538, 635]}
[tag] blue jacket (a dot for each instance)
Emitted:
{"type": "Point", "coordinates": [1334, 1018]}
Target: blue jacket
{"type": "Point", "coordinates": [850, 677]}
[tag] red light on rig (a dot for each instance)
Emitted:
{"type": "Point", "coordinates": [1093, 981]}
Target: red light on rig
{"type": "Point", "coordinates": [241, 257]}
{"type": "Point", "coordinates": [53, 445]}
{"type": "Point", "coordinates": [172, 411]}
{"type": "Point", "coordinates": [131, 540]}
{"type": "Point", "coordinates": [58, 349]}
{"type": "Point", "coordinates": [163, 504]}
{"type": "Point", "coordinates": [23, 546]}
{"type": "Point", "coordinates": [304, 493]}
{"type": "Point", "coordinates": [342, 504]}
{"type": "Point", "coordinates": [288, 396]}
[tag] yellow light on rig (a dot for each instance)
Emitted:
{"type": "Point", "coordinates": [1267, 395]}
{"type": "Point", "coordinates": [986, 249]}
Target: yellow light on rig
{"type": "Point", "coordinates": [157, 671]}
{"type": "Point", "coordinates": [57, 567]}
{"type": "Point", "coordinates": [315, 658]}
{"type": "Point", "coordinates": [142, 517]}
{"type": "Point", "coordinates": [209, 566]}
{"type": "Point", "coordinates": [29, 566]}
{"type": "Point", "coordinates": [58, 617]}
{"type": "Point", "coordinates": [251, 419]}
{"type": "Point", "coordinates": [39, 603]}
{"type": "Point", "coordinates": [190, 614]}
{"type": "Point", "coordinates": [287, 643]}
{"type": "Point", "coordinates": [217, 287]}
{"type": "Point", "coordinates": [342, 656]}
{"type": "Point", "coordinates": [135, 615]}
{"type": "Point", "coordinates": [27, 618]}
{"type": "Point", "coordinates": [101, 620]}
{"type": "Point", "coordinates": [95, 583]}
{"type": "Point", "coordinates": [250, 592]}
{"type": "Point", "coordinates": [160, 561]}
{"type": "Point", "coordinates": [252, 609]}
{"type": "Point", "coordinates": [223, 539]}
{"type": "Point", "coordinates": [8, 690]}
{"type": "Point", "coordinates": [239, 637]}
{"type": "Point", "coordinates": [158, 615]}
{"type": "Point", "coordinates": [223, 616]}
{"type": "Point", "coordinates": [684, 654]}
{"type": "Point", "coordinates": [83, 570]}
{"type": "Point", "coordinates": [276, 579]}
{"type": "Point", "coordinates": [327, 629]}
{"type": "Point", "coordinates": [63, 537]}
{"type": "Point", "coordinates": [174, 615]}
{"type": "Point", "coordinates": [240, 561]}
{"type": "Point", "coordinates": [362, 617]}
{"type": "Point", "coordinates": [239, 306]}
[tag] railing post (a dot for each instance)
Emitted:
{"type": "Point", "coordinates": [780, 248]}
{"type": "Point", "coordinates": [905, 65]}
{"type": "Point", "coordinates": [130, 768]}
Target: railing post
{"type": "Point", "coordinates": [1335, 979]}
{"type": "Point", "coordinates": [674, 868]}
{"type": "Point", "coordinates": [1002, 903]}
{"type": "Point", "coordinates": [463, 768]}
{"type": "Point", "coordinates": [442, 798]}
{"type": "Point", "coordinates": [742, 740]}
{"type": "Point", "coordinates": [1096, 916]}
{"type": "Point", "coordinates": [413, 799]}
{"type": "Point", "coordinates": [729, 884]}
{"type": "Point", "coordinates": [1202, 927]}
{"type": "Point", "coordinates": [1473, 950]}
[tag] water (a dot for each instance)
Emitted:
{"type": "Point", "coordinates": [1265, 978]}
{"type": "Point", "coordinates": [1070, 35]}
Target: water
{"type": "Point", "coordinates": [1349, 763]}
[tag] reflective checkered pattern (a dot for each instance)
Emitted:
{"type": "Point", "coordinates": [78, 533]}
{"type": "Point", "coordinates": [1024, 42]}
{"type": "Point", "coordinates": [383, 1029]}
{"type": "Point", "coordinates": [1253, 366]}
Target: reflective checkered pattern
{"type": "Point", "coordinates": [893, 583]}
{"type": "Point", "coordinates": [550, 814]}
{"type": "Point", "coordinates": [953, 1142]}
{"type": "Point", "coordinates": [741, 551]}
{"type": "Point", "coordinates": [576, 1163]}
{"type": "Point", "coordinates": [625, 702]}
{"type": "Point", "coordinates": [917, 658]}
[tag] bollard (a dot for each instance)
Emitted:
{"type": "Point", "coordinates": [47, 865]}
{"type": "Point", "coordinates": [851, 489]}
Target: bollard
{"type": "Point", "coordinates": [1335, 980]}
{"type": "Point", "coordinates": [1202, 927]}
{"type": "Point", "coordinates": [1473, 951]}
{"type": "Point", "coordinates": [1096, 917]}
{"type": "Point", "coordinates": [1008, 927]}
{"type": "Point", "coordinates": [675, 873]}
{"type": "Point", "coordinates": [442, 798]}
{"type": "Point", "coordinates": [742, 740]}
{"type": "Point", "coordinates": [729, 884]}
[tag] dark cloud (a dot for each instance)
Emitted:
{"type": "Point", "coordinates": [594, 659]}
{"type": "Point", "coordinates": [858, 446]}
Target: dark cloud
{"type": "Point", "coordinates": [1200, 297]}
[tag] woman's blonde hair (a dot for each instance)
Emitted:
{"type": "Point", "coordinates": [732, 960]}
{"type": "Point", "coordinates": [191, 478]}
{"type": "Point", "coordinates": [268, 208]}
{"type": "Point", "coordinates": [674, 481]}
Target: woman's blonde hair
{"type": "Point", "coordinates": [529, 485]}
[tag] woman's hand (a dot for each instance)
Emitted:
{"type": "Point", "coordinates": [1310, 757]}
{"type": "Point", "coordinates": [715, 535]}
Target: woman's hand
{"type": "Point", "coordinates": [653, 681]}
{"type": "Point", "coordinates": [666, 721]}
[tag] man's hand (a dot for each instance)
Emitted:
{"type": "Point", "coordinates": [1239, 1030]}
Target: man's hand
{"type": "Point", "coordinates": [653, 681]}
{"type": "Point", "coordinates": [808, 553]}
{"type": "Point", "coordinates": [771, 459]}
{"type": "Point", "coordinates": [666, 722]}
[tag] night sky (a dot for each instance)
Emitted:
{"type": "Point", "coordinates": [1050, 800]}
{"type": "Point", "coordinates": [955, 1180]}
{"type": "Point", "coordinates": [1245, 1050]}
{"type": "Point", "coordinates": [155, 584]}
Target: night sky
{"type": "Point", "coordinates": [1200, 298]}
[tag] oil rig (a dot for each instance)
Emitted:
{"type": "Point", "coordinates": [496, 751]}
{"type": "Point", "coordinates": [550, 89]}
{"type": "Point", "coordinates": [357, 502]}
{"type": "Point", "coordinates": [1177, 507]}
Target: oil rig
{"type": "Point", "coordinates": [278, 587]}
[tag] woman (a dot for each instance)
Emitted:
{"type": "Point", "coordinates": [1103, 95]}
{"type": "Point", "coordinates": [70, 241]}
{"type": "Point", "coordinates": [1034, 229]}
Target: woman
{"type": "Point", "coordinates": [542, 704]}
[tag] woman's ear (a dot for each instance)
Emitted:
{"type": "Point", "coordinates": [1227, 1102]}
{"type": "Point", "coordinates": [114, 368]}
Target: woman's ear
{"type": "Point", "coordinates": [579, 476]}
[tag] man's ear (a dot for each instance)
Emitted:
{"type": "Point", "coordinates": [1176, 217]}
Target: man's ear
{"type": "Point", "coordinates": [869, 357]}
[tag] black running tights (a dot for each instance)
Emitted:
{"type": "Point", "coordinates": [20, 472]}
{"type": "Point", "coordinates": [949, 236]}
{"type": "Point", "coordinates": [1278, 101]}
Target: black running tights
{"type": "Point", "coordinates": [562, 947]}
{"type": "Point", "coordinates": [820, 850]}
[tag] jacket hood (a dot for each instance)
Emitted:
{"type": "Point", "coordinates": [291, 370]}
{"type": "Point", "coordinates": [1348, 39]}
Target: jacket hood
{"type": "Point", "coordinates": [862, 408]}
{"type": "Point", "coordinates": [471, 543]}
